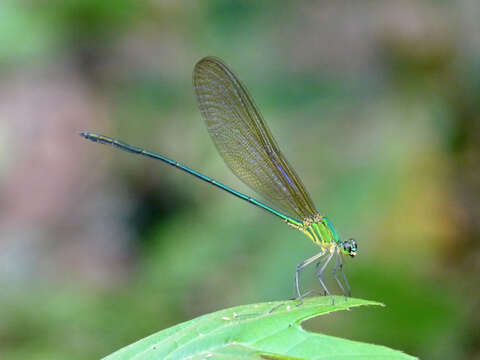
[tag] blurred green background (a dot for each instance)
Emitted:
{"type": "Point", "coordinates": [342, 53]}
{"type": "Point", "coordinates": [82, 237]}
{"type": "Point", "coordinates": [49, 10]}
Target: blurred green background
{"type": "Point", "coordinates": [375, 103]}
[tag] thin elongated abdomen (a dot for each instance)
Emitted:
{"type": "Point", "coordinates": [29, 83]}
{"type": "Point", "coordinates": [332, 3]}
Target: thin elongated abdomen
{"type": "Point", "coordinates": [139, 151]}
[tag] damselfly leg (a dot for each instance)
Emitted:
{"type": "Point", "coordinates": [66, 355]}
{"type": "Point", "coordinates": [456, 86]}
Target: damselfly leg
{"type": "Point", "coordinates": [298, 295]}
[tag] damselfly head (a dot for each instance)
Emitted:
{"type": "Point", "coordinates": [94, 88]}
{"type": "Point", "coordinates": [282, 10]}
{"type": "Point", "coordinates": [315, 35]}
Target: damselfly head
{"type": "Point", "coordinates": [349, 247]}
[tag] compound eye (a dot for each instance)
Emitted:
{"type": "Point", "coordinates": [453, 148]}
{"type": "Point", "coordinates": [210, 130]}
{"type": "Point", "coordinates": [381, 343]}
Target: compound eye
{"type": "Point", "coordinates": [353, 244]}
{"type": "Point", "coordinates": [352, 247]}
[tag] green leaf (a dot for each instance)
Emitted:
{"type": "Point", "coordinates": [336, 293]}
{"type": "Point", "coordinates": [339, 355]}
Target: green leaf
{"type": "Point", "coordinates": [261, 331]}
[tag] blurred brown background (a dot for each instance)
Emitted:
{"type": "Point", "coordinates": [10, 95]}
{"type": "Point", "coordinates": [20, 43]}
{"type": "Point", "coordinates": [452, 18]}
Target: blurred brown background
{"type": "Point", "coordinates": [376, 103]}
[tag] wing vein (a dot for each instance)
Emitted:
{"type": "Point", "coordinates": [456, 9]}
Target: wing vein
{"type": "Point", "coordinates": [244, 141]}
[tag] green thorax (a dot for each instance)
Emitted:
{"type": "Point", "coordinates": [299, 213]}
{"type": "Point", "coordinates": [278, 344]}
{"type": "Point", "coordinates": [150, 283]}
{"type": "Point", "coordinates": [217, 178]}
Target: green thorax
{"type": "Point", "coordinates": [320, 230]}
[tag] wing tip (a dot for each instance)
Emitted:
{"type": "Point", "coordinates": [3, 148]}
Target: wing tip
{"type": "Point", "coordinates": [206, 62]}
{"type": "Point", "coordinates": [209, 59]}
